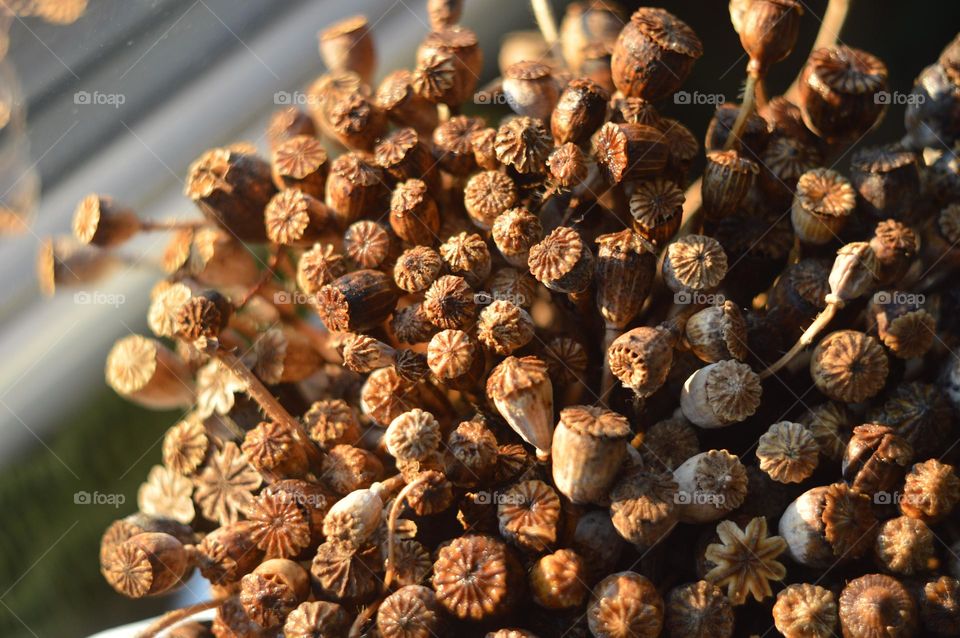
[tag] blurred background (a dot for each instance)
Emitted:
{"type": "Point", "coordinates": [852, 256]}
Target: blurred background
{"type": "Point", "coordinates": [118, 97]}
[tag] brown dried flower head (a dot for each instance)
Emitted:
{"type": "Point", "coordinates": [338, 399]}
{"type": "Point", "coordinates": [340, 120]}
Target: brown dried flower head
{"type": "Point", "coordinates": [562, 261]}
{"type": "Point", "coordinates": [514, 232]}
{"type": "Point", "coordinates": [906, 546]}
{"type": "Point", "coordinates": [412, 435]}
{"type": "Point", "coordinates": [331, 422]}
{"type": "Point", "coordinates": [876, 605]}
{"type": "Point", "coordinates": [410, 612]}
{"type": "Point", "coordinates": [745, 560]}
{"type": "Point", "coordinates": [529, 514]}
{"type": "Point", "coordinates": [279, 526]}
{"type": "Point", "coordinates": [557, 580]}
{"type": "Point", "coordinates": [805, 611]}
{"type": "Point", "coordinates": [643, 506]}
{"type": "Point", "coordinates": [472, 577]}
{"type": "Point", "coordinates": [849, 366]}
{"type": "Point", "coordinates": [721, 394]}
{"type": "Point", "coordinates": [319, 266]}
{"type": "Point", "coordinates": [699, 610]}
{"type": "Point", "coordinates": [467, 255]}
{"type": "Point", "coordinates": [625, 605]}
{"type": "Point", "coordinates": [788, 452]}
{"type": "Point", "coordinates": [487, 195]}
{"type": "Point", "coordinates": [226, 484]}
{"type": "Point", "coordinates": [694, 262]}
{"type": "Point", "coordinates": [504, 327]}
{"type": "Point", "coordinates": [524, 144]}
{"type": "Point", "coordinates": [657, 208]}
{"type": "Point", "coordinates": [709, 485]}
{"type": "Point", "coordinates": [166, 494]}
{"type": "Point", "coordinates": [449, 303]}
{"type": "Point", "coordinates": [316, 618]}
{"type": "Point", "coordinates": [185, 446]}
{"type": "Point", "coordinates": [931, 491]}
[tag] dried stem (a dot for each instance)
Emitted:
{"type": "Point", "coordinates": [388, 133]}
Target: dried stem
{"type": "Point", "coordinates": [805, 340]}
{"type": "Point", "coordinates": [173, 617]}
{"type": "Point", "coordinates": [828, 36]}
{"type": "Point", "coordinates": [392, 528]}
{"type": "Point", "coordinates": [543, 13]}
{"type": "Point", "coordinates": [746, 109]}
{"type": "Point", "coordinates": [152, 225]}
{"type": "Point", "coordinates": [692, 208]}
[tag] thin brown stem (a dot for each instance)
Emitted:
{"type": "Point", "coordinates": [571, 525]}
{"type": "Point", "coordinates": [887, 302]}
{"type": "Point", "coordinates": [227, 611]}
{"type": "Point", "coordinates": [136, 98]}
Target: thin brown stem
{"type": "Point", "coordinates": [805, 340]}
{"type": "Point", "coordinates": [828, 36]}
{"type": "Point", "coordinates": [173, 617]}
{"type": "Point", "coordinates": [746, 109]}
{"type": "Point", "coordinates": [392, 528]}
{"type": "Point", "coordinates": [543, 13]}
{"type": "Point", "coordinates": [692, 209]}
{"type": "Point", "coordinates": [160, 225]}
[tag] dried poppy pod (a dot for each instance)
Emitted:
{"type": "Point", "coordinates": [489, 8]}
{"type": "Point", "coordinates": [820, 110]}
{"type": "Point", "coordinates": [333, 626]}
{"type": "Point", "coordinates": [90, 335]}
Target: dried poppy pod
{"type": "Point", "coordinates": [460, 43]}
{"type": "Point", "coordinates": [450, 303]}
{"type": "Point", "coordinates": [348, 46]}
{"type": "Point", "coordinates": [466, 255]}
{"type": "Point", "coordinates": [557, 580]}
{"type": "Point", "coordinates": [875, 459]}
{"type": "Point", "coordinates": [840, 90]}
{"type": "Point", "coordinates": [287, 123]}
{"type": "Point", "coordinates": [854, 273]}
{"type": "Point", "coordinates": [316, 618]}
{"type": "Point", "coordinates": [355, 517]}
{"type": "Point", "coordinates": [63, 263]}
{"type": "Point", "coordinates": [721, 394]}
{"type": "Point", "coordinates": [347, 468]}
{"type": "Point", "coordinates": [355, 187]}
{"type": "Point", "coordinates": [939, 608]}
{"type": "Point", "coordinates": [827, 525]}
{"type": "Point", "coordinates": [625, 605]}
{"type": "Point", "coordinates": [929, 117]}
{"type": "Point", "coordinates": [487, 195]}
{"type": "Point", "coordinates": [452, 144]}
{"type": "Point", "coordinates": [413, 435]}
{"type": "Point", "coordinates": [562, 261]}
{"type": "Point", "coordinates": [513, 285]}
{"type": "Point", "coordinates": [273, 590]}
{"type": "Point", "coordinates": [668, 443]}
{"type": "Point", "coordinates": [146, 564]}
{"type": "Point", "coordinates": [906, 329]}
{"type": "Point", "coordinates": [273, 449]}
{"type": "Point", "coordinates": [709, 486]}
{"type": "Point", "coordinates": [331, 422]}
{"type": "Point", "coordinates": [788, 453]}
{"type": "Point", "coordinates": [473, 453]}
{"type": "Point", "coordinates": [294, 217]}
{"type": "Point", "coordinates": [455, 358]}
{"type": "Point", "coordinates": [524, 144]}
{"type": "Point", "coordinates": [414, 215]}
{"type": "Point", "coordinates": [931, 491]}
{"type": "Point", "coordinates": [895, 246]}
{"type": "Point", "coordinates": [781, 165]}
{"type": "Point", "coordinates": [905, 546]}
{"type": "Point", "coordinates": [362, 353]}
{"type": "Point", "coordinates": [101, 221]}
{"type": "Point", "coordinates": [628, 152]}
{"type": "Point", "coordinates": [504, 327]}
{"type": "Point", "coordinates": [643, 507]}
{"type": "Point", "coordinates": [343, 572]}
{"type": "Point", "coordinates": [657, 210]}
{"type": "Point", "coordinates": [232, 189]}
{"type": "Point", "coordinates": [849, 366]}
{"type": "Point", "coordinates": [754, 137]}
{"type": "Point", "coordinates": [514, 232]}
{"type": "Point", "coordinates": [768, 32]}
{"type": "Point", "coordinates": [484, 152]}
{"type": "Point", "coordinates": [699, 610]}
{"type": "Point", "coordinates": [300, 162]}
{"type": "Point", "coordinates": [146, 372]}
{"type": "Point", "coordinates": [203, 317]}
{"type": "Point", "coordinates": [717, 333]}
{"type": "Point", "coordinates": [589, 447]}
{"type": "Point", "coordinates": [598, 542]}
{"type": "Point", "coordinates": [877, 605]}
{"type": "Point", "coordinates": [887, 180]}
{"type": "Point", "coordinates": [444, 13]}
{"type": "Point", "coordinates": [435, 79]}
{"type": "Point", "coordinates": [568, 166]}
{"type": "Point", "coordinates": [529, 515]}
{"type": "Point", "coordinates": [597, 22]}
{"type": "Point", "coordinates": [693, 263]}
{"type": "Point", "coordinates": [530, 89]}
{"type": "Point", "coordinates": [641, 358]}
{"type": "Point", "coordinates": [522, 393]}
{"type": "Point", "coordinates": [332, 85]}
{"type": "Point", "coordinates": [626, 268]}
{"type": "Point", "coordinates": [229, 552]}
{"type": "Point", "coordinates": [404, 156]}
{"type": "Point", "coordinates": [805, 611]}
{"type": "Point", "coordinates": [367, 243]}
{"type": "Point", "coordinates": [727, 178]}
{"type": "Point", "coordinates": [410, 612]}
{"type": "Point", "coordinates": [476, 577]}
{"type": "Point", "coordinates": [745, 560]}
{"type": "Point", "coordinates": [417, 268]}
{"type": "Point", "coordinates": [356, 301]}
{"type": "Point", "coordinates": [822, 203]}
{"type": "Point", "coordinates": [654, 55]}
{"type": "Point", "coordinates": [403, 106]}
{"type": "Point", "coordinates": [579, 112]}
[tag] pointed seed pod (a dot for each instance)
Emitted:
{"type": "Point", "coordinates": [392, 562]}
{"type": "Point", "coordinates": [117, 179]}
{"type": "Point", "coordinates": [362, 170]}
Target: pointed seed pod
{"type": "Point", "coordinates": [717, 333]}
{"type": "Point", "coordinates": [727, 178]}
{"type": "Point", "coordinates": [355, 517]}
{"type": "Point", "coordinates": [300, 162]}
{"type": "Point", "coordinates": [626, 268]}
{"type": "Point", "coordinates": [657, 210]}
{"type": "Point", "coordinates": [854, 273]}
{"type": "Point", "coordinates": [823, 202]}
{"type": "Point", "coordinates": [521, 391]}
{"type": "Point", "coordinates": [579, 112]}
{"type": "Point", "coordinates": [589, 447]}
{"type": "Point", "coordinates": [562, 261]}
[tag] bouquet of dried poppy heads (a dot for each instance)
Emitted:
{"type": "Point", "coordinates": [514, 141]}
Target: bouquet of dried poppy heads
{"type": "Point", "coordinates": [486, 374]}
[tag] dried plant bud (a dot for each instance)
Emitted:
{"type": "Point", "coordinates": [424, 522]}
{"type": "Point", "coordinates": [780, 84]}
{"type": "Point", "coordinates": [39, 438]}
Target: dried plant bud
{"type": "Point", "coordinates": [228, 553]}
{"type": "Point", "coordinates": [405, 157]}
{"type": "Point", "coordinates": [450, 303]}
{"type": "Point", "coordinates": [895, 246]}
{"type": "Point", "coordinates": [232, 190]}
{"type": "Point", "coordinates": [452, 354]}
{"type": "Point", "coordinates": [887, 180]}
{"type": "Point", "coordinates": [643, 507]}
{"type": "Point", "coordinates": [331, 422]}
{"type": "Point", "coordinates": [367, 243]}
{"type": "Point", "coordinates": [348, 46]}
{"type": "Point", "coordinates": [524, 144]}
{"type": "Point", "coordinates": [721, 394]}
{"type": "Point", "coordinates": [460, 44]}
{"type": "Point", "coordinates": [414, 216]}
{"type": "Point", "coordinates": [745, 560]}
{"type": "Point", "coordinates": [294, 217]}
{"type": "Point", "coordinates": [906, 329]}
{"type": "Point", "coordinates": [147, 372]}
{"type": "Point", "coordinates": [487, 195]}
{"type": "Point", "coordinates": [699, 610]}
{"type": "Point", "coordinates": [589, 447]}
{"type": "Point", "coordinates": [727, 178]}
{"type": "Point", "coordinates": [853, 274]}
{"type": "Point", "coordinates": [628, 152]}
{"type": "Point", "coordinates": [668, 443]}
{"type": "Point", "coordinates": [362, 353]}
{"type": "Point", "coordinates": [940, 605]}
{"type": "Point", "coordinates": [301, 163]}
{"type": "Point", "coordinates": [385, 395]}
{"type": "Point", "coordinates": [849, 366]}
{"type": "Point", "coordinates": [557, 580]}
{"type": "Point", "coordinates": [411, 325]}
{"type": "Point", "coordinates": [521, 391]}
{"type": "Point", "coordinates": [474, 577]}
{"type": "Point", "coordinates": [203, 316]}
{"type": "Point", "coordinates": [347, 468]}
{"type": "Point", "coordinates": [906, 546]}
{"type": "Point", "coordinates": [641, 358]}
{"type": "Point", "coordinates": [354, 518]}
{"type": "Point", "coordinates": [356, 301]}
{"type": "Point", "coordinates": [316, 618]}
{"type": "Point", "coordinates": [504, 327]}
{"type": "Point", "coordinates": [355, 187]}
{"type": "Point", "coordinates": [273, 590]}
{"type": "Point", "coordinates": [513, 285]}
{"type": "Point", "coordinates": [823, 201]}
{"type": "Point", "coordinates": [319, 266]}
{"type": "Point", "coordinates": [788, 453]}
{"type": "Point", "coordinates": [875, 459]}
{"type": "Point", "coordinates": [185, 446]}
{"type": "Point", "coordinates": [417, 268]}
{"type": "Point", "coordinates": [654, 54]}
{"type": "Point", "coordinates": [467, 255]}
{"type": "Point", "coordinates": [273, 449]}
{"type": "Point", "coordinates": [483, 143]}
{"type": "Point", "coordinates": [530, 89]}
{"type": "Point", "coordinates": [781, 165]}
{"type": "Point", "coordinates": [827, 525]}
{"type": "Point", "coordinates": [717, 333]}
{"type": "Point", "coordinates": [579, 112]}
{"type": "Point", "coordinates": [226, 484]}
{"type": "Point", "coordinates": [280, 526]}
{"type": "Point", "coordinates": [340, 571]}
{"type": "Point", "coordinates": [709, 485]}
{"type": "Point", "coordinates": [529, 513]}
{"type": "Point", "coordinates": [514, 232]}
{"type": "Point", "coordinates": [410, 612]}
{"type": "Point", "coordinates": [473, 454]}
{"type": "Point", "coordinates": [146, 564]}
{"type": "Point", "coordinates": [830, 424]}
{"type": "Point", "coordinates": [876, 605]}
{"type": "Point", "coordinates": [452, 144]}
{"type": "Point", "coordinates": [694, 262]}
{"type": "Point", "coordinates": [287, 123]}
{"type": "Point", "coordinates": [838, 92]}
{"type": "Point", "coordinates": [768, 31]}
{"type": "Point", "coordinates": [435, 78]}
{"type": "Point", "coordinates": [568, 166]}
{"type": "Point", "coordinates": [931, 491]}
{"type": "Point", "coordinates": [657, 209]}
{"type": "Point", "coordinates": [100, 221]}
{"type": "Point", "coordinates": [562, 261]}
{"type": "Point", "coordinates": [402, 104]}
{"type": "Point", "coordinates": [805, 611]}
{"type": "Point", "coordinates": [625, 605]}
{"type": "Point", "coordinates": [626, 268]}
{"type": "Point", "coordinates": [412, 435]}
